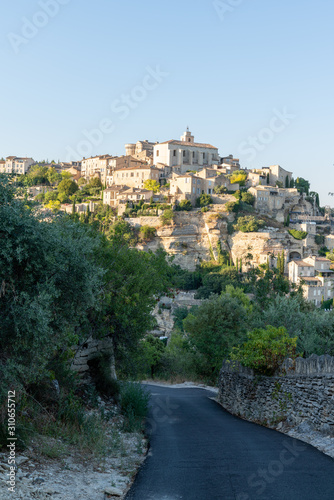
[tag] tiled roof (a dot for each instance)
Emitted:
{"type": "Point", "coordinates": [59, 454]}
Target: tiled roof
{"type": "Point", "coordinates": [183, 143]}
{"type": "Point", "coordinates": [302, 263]}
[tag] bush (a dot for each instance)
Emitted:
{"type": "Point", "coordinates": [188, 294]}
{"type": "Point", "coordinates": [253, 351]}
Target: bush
{"type": "Point", "coordinates": [265, 349]}
{"type": "Point", "coordinates": [248, 198]}
{"type": "Point", "coordinates": [167, 217]}
{"type": "Point", "coordinates": [220, 190]}
{"type": "Point", "coordinates": [298, 235]}
{"type": "Point", "coordinates": [40, 197]}
{"type": "Point", "coordinates": [232, 206]}
{"type": "Point", "coordinates": [319, 239]}
{"type": "Point", "coordinates": [134, 405]}
{"type": "Point", "coordinates": [63, 198]}
{"type": "Point", "coordinates": [239, 176]}
{"type": "Point", "coordinates": [204, 200]}
{"type": "Point", "coordinates": [248, 224]}
{"type": "Point", "coordinates": [215, 327]}
{"type": "Point", "coordinates": [184, 205]}
{"type": "Point", "coordinates": [50, 196]}
{"type": "Point", "coordinates": [147, 233]}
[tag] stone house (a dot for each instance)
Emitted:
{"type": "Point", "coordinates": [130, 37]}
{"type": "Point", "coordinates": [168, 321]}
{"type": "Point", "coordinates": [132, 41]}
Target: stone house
{"type": "Point", "coordinates": [316, 277]}
{"type": "Point", "coordinates": [16, 165]}
{"type": "Point", "coordinates": [111, 193]}
{"type": "Point", "coordinates": [136, 176]}
{"type": "Point", "coordinates": [273, 201]}
{"type": "Point", "coordinates": [142, 150]}
{"type": "Point", "coordinates": [190, 186]}
{"type": "Point", "coordinates": [134, 195]}
{"type": "Point", "coordinates": [269, 176]}
{"type": "Point", "coordinates": [95, 166]}
{"type": "Point", "coordinates": [185, 154]}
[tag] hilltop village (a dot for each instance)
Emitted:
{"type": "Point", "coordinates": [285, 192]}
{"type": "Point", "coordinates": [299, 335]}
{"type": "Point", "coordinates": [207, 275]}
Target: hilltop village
{"type": "Point", "coordinates": [198, 205]}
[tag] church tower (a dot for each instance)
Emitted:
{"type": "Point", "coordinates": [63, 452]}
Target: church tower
{"type": "Point", "coordinates": [187, 137]}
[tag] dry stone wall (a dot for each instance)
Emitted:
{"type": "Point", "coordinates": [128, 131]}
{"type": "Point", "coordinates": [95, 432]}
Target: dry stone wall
{"type": "Point", "coordinates": [91, 349]}
{"type": "Point", "coordinates": [303, 391]}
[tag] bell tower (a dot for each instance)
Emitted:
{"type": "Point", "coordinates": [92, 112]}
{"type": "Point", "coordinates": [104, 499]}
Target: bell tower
{"type": "Point", "coordinates": [187, 137]}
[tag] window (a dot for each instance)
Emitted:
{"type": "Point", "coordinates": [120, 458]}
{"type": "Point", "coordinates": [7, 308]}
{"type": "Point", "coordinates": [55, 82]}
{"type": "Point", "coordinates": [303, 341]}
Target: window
{"type": "Point", "coordinates": [158, 152]}
{"type": "Point", "coordinates": [174, 152]}
{"type": "Point", "coordinates": [194, 190]}
{"type": "Point", "coordinates": [132, 174]}
{"type": "Point", "coordinates": [184, 154]}
{"type": "Point", "coordinates": [193, 154]}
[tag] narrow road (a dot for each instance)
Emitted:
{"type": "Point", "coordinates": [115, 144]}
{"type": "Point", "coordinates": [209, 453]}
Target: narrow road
{"type": "Point", "coordinates": [200, 452]}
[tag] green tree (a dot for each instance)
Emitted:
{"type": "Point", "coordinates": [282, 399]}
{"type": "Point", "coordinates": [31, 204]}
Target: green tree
{"type": "Point", "coordinates": [248, 198]}
{"type": "Point", "coordinates": [52, 176]}
{"type": "Point", "coordinates": [50, 196]}
{"type": "Point", "coordinates": [265, 349]}
{"type": "Point", "coordinates": [49, 284]}
{"type": "Point", "coordinates": [302, 185]}
{"type": "Point", "coordinates": [68, 187]}
{"type": "Point", "coordinates": [216, 326]}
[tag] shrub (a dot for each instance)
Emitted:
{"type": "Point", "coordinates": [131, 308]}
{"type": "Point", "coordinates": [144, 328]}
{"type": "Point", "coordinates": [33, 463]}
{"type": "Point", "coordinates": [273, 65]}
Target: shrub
{"type": "Point", "coordinates": [147, 233]}
{"type": "Point", "coordinates": [265, 349]}
{"type": "Point", "coordinates": [63, 198]}
{"type": "Point", "coordinates": [40, 197]}
{"type": "Point", "coordinates": [298, 235]}
{"type": "Point", "coordinates": [248, 224]}
{"type": "Point", "coordinates": [248, 198]}
{"type": "Point", "coordinates": [184, 205]}
{"type": "Point", "coordinates": [134, 405]}
{"type": "Point", "coordinates": [167, 217]}
{"type": "Point", "coordinates": [50, 196]}
{"type": "Point", "coordinates": [319, 239]}
{"type": "Point", "coordinates": [232, 206]}
{"type": "Point", "coordinates": [239, 176]}
{"type": "Point", "coordinates": [203, 200]}
{"type": "Point", "coordinates": [220, 190]}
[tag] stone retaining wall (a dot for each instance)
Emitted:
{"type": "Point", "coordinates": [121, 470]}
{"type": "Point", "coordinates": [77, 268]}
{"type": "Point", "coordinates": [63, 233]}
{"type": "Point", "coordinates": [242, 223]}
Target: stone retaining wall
{"type": "Point", "coordinates": [91, 349]}
{"type": "Point", "coordinates": [303, 391]}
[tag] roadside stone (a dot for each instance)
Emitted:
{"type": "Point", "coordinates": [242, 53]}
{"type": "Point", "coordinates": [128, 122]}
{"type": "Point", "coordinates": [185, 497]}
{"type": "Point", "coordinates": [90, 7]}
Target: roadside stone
{"type": "Point", "coordinates": [111, 491]}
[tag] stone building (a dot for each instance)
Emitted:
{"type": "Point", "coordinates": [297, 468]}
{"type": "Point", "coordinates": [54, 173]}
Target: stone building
{"type": "Point", "coordinates": [271, 176]}
{"type": "Point", "coordinates": [190, 186]}
{"type": "Point", "coordinates": [16, 165]}
{"type": "Point", "coordinates": [273, 201]}
{"type": "Point", "coordinates": [316, 277]}
{"type": "Point", "coordinates": [142, 150]}
{"type": "Point", "coordinates": [135, 176]}
{"type": "Point", "coordinates": [95, 166]}
{"type": "Point", "coordinates": [185, 154]}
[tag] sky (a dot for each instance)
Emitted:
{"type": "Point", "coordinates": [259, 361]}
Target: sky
{"type": "Point", "coordinates": [254, 78]}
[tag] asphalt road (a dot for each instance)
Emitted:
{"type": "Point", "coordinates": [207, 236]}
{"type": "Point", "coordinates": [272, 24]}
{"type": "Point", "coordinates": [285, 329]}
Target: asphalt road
{"type": "Point", "coordinates": [199, 451]}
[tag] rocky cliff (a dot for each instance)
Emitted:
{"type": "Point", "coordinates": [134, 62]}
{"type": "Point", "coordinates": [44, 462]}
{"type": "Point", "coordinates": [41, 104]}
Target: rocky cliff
{"type": "Point", "coordinates": [194, 235]}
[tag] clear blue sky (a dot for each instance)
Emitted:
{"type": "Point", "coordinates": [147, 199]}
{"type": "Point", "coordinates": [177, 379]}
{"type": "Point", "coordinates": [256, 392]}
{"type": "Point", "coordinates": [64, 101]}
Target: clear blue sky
{"type": "Point", "coordinates": [229, 68]}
